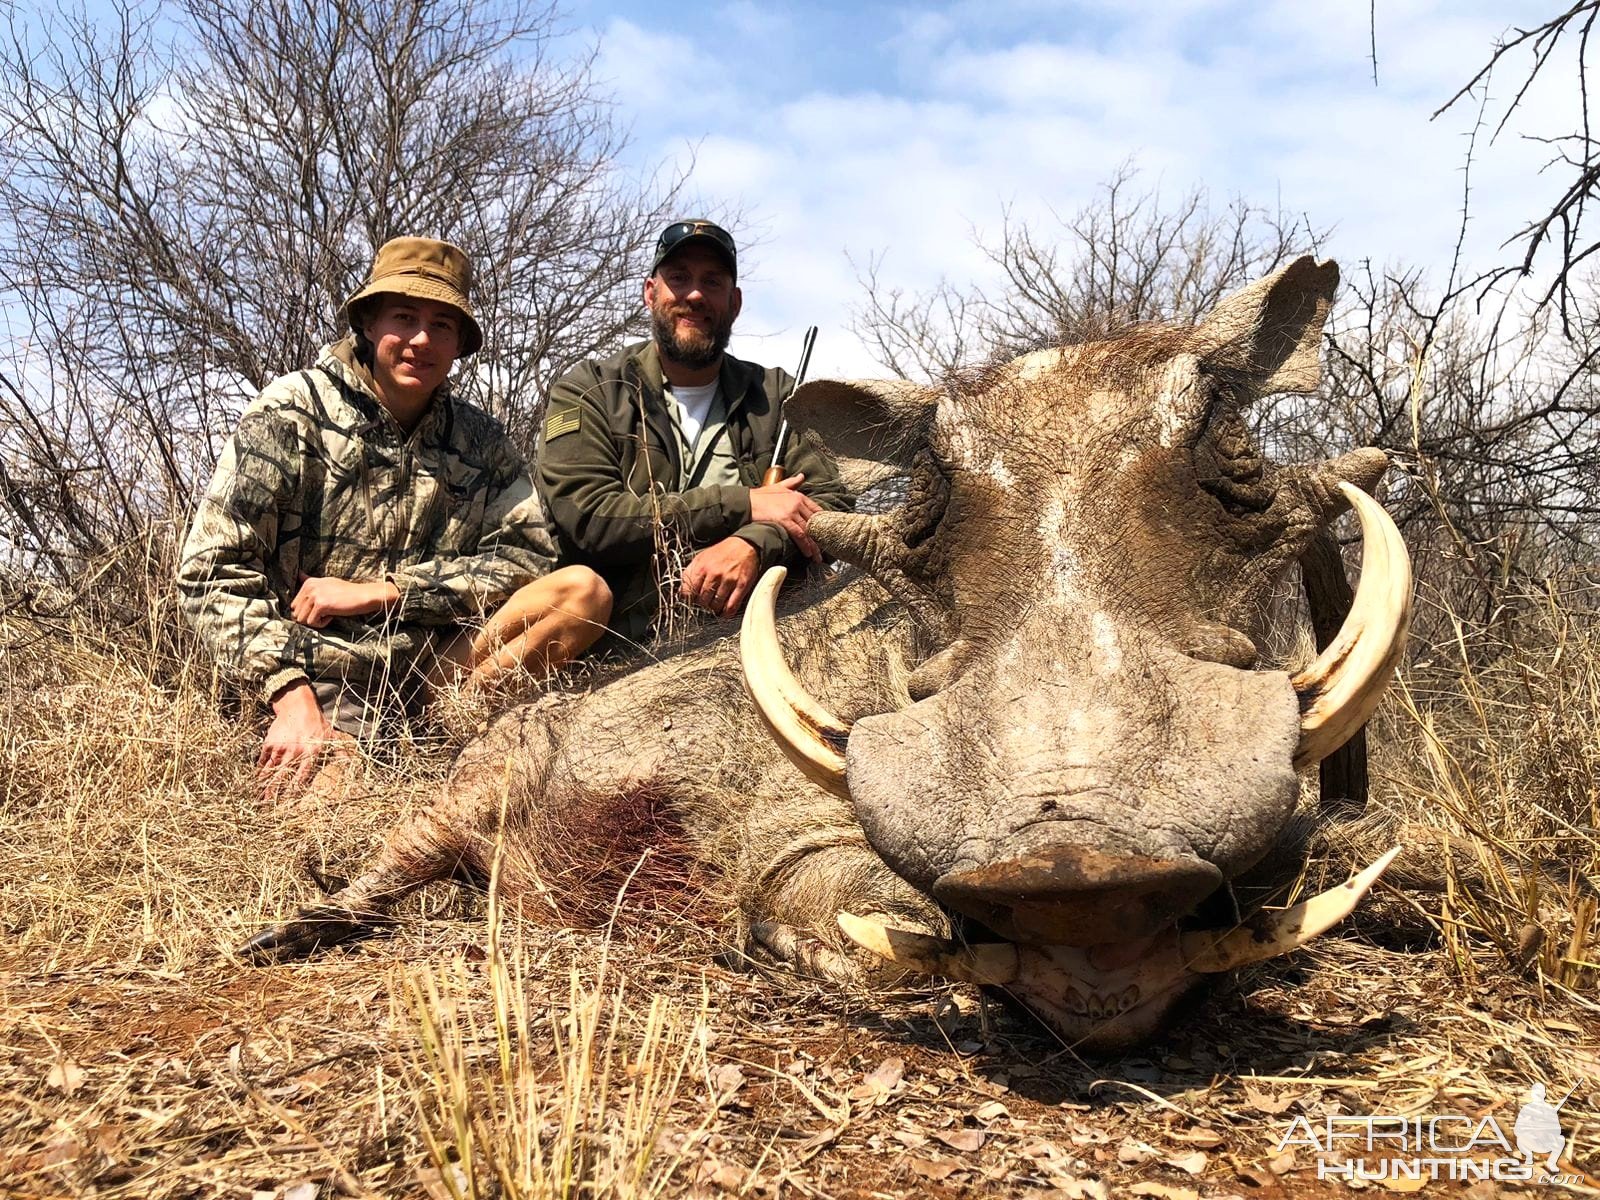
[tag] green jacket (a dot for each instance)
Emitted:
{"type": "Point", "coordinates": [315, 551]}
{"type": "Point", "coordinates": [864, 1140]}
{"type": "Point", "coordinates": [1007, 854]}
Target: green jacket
{"type": "Point", "coordinates": [609, 467]}
{"type": "Point", "coordinates": [319, 480]}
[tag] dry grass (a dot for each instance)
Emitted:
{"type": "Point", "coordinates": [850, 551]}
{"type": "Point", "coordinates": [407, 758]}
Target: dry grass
{"type": "Point", "coordinates": [1499, 749]}
{"type": "Point", "coordinates": [533, 1102]}
{"type": "Point", "coordinates": [470, 1053]}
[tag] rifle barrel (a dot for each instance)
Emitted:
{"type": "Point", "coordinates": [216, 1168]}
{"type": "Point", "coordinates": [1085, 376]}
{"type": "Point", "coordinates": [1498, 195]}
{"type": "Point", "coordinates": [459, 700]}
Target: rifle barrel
{"type": "Point", "coordinates": [776, 472]}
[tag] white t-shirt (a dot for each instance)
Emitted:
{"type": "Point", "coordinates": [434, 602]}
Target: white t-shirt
{"type": "Point", "coordinates": [694, 403]}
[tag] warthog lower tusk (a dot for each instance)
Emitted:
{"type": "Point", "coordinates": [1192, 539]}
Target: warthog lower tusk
{"type": "Point", "coordinates": [809, 734]}
{"type": "Point", "coordinates": [992, 963]}
{"type": "Point", "coordinates": [1341, 688]}
{"type": "Point", "coordinates": [1267, 935]}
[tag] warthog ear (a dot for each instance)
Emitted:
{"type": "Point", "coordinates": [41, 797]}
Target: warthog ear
{"type": "Point", "coordinates": [1271, 332]}
{"type": "Point", "coordinates": [874, 427]}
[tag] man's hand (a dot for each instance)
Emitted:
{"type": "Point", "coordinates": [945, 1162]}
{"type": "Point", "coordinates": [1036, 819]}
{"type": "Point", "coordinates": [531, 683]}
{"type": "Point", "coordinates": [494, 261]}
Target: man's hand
{"type": "Point", "coordinates": [296, 740]}
{"type": "Point", "coordinates": [721, 576]}
{"type": "Point", "coordinates": [321, 598]}
{"type": "Point", "coordinates": [783, 503]}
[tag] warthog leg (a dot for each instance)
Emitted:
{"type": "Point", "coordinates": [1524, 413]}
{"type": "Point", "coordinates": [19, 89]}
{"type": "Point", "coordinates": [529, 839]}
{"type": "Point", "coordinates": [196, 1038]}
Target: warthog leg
{"type": "Point", "coordinates": [444, 840]}
{"type": "Point", "coordinates": [804, 860]}
{"type": "Point", "coordinates": [422, 850]}
{"type": "Point", "coordinates": [807, 954]}
{"type": "Point", "coordinates": [311, 929]}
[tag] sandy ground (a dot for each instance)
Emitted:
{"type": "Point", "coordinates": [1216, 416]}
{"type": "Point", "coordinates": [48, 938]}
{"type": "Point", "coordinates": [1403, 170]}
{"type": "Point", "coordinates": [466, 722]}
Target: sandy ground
{"type": "Point", "coordinates": [468, 1053]}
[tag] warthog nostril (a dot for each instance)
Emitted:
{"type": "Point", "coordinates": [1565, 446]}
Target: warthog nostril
{"type": "Point", "coordinates": [1078, 896]}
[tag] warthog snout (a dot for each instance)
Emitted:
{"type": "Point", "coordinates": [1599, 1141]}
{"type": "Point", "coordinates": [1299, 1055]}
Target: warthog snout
{"type": "Point", "coordinates": [1078, 896]}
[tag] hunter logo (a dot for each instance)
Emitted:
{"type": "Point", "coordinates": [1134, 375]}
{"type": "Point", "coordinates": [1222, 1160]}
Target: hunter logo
{"type": "Point", "coordinates": [1538, 1127]}
{"type": "Point", "coordinates": [1435, 1147]}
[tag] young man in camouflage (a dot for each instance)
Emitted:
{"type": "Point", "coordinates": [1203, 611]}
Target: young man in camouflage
{"type": "Point", "coordinates": [369, 537]}
{"type": "Point", "coordinates": [672, 436]}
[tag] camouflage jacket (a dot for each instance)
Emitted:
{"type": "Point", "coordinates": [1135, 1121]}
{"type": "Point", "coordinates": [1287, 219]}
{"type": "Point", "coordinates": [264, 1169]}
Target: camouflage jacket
{"type": "Point", "coordinates": [319, 480]}
{"type": "Point", "coordinates": [609, 444]}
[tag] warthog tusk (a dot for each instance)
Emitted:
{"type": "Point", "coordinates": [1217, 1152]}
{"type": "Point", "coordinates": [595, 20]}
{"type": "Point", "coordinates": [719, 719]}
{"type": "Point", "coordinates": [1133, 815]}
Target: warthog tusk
{"type": "Point", "coordinates": [1267, 935]}
{"type": "Point", "coordinates": [1339, 691]}
{"type": "Point", "coordinates": [992, 963]}
{"type": "Point", "coordinates": [809, 734]}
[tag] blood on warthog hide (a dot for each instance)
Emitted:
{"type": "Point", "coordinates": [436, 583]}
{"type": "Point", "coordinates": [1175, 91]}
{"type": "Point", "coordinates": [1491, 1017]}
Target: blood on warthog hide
{"type": "Point", "coordinates": [1032, 711]}
{"type": "Point", "coordinates": [578, 864]}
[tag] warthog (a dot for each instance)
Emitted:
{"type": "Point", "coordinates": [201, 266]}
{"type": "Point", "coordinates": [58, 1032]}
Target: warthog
{"type": "Point", "coordinates": [1036, 703]}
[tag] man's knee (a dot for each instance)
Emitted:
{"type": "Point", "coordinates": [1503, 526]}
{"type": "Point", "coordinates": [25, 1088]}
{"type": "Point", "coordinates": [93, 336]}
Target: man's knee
{"type": "Point", "coordinates": [580, 592]}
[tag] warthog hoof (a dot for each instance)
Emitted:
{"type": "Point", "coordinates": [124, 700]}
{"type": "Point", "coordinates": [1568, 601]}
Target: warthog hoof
{"type": "Point", "coordinates": [310, 930]}
{"type": "Point", "coordinates": [803, 952]}
{"type": "Point", "coordinates": [807, 954]}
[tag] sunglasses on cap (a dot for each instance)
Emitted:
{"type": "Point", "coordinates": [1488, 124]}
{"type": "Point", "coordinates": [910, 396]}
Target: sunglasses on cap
{"type": "Point", "coordinates": [678, 232]}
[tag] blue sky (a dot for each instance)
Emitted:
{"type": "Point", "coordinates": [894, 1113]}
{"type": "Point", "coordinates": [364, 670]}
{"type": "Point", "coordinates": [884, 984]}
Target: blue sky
{"type": "Point", "coordinates": [844, 131]}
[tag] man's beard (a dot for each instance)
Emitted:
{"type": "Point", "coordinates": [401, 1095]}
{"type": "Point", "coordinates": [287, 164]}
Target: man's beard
{"type": "Point", "coordinates": [697, 348]}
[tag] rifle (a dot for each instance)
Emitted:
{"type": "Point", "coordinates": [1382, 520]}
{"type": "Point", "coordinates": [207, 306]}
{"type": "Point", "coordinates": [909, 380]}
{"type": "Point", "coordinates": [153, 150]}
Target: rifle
{"type": "Point", "coordinates": [776, 472]}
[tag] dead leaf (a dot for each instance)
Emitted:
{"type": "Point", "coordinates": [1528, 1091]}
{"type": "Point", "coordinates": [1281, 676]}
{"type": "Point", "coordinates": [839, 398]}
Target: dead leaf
{"type": "Point", "coordinates": [936, 1169]}
{"type": "Point", "coordinates": [1282, 1164]}
{"type": "Point", "coordinates": [1271, 1105]}
{"type": "Point", "coordinates": [883, 1080]}
{"type": "Point", "coordinates": [65, 1076]}
{"type": "Point", "coordinates": [1404, 1185]}
{"type": "Point", "coordinates": [818, 1142]}
{"type": "Point", "coordinates": [992, 1111]}
{"type": "Point", "coordinates": [62, 1149]}
{"type": "Point", "coordinates": [1189, 1164]}
{"type": "Point", "coordinates": [435, 1186]}
{"type": "Point", "coordinates": [1166, 1191]}
{"type": "Point", "coordinates": [303, 1189]}
{"type": "Point", "coordinates": [909, 1138]}
{"type": "Point", "coordinates": [726, 1176]}
{"type": "Point", "coordinates": [726, 1081]}
{"type": "Point", "coordinates": [1133, 1152]}
{"type": "Point", "coordinates": [1070, 1187]}
{"type": "Point", "coordinates": [965, 1140]}
{"type": "Point", "coordinates": [1206, 1139]}
{"type": "Point", "coordinates": [1260, 1177]}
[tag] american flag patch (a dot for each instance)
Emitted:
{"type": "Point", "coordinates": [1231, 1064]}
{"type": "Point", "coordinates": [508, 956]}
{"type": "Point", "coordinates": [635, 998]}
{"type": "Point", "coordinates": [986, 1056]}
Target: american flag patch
{"type": "Point", "coordinates": [565, 421]}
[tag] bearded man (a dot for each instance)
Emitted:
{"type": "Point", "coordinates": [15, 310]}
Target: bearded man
{"type": "Point", "coordinates": [654, 457]}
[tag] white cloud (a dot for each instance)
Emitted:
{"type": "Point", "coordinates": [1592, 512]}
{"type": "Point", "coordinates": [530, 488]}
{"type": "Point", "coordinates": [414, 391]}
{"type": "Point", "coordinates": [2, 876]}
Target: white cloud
{"type": "Point", "coordinates": [663, 80]}
{"type": "Point", "coordinates": [965, 108]}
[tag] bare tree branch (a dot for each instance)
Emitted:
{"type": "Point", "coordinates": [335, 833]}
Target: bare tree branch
{"type": "Point", "coordinates": [1122, 259]}
{"type": "Point", "coordinates": [1576, 153]}
{"type": "Point", "coordinates": [187, 194]}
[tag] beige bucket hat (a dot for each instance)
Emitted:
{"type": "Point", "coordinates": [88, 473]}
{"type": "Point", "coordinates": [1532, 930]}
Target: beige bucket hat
{"type": "Point", "coordinates": [427, 269]}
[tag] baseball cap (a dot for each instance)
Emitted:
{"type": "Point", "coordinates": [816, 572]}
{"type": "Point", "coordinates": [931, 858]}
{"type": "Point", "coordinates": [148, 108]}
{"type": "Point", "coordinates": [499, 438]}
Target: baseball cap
{"type": "Point", "coordinates": [682, 233]}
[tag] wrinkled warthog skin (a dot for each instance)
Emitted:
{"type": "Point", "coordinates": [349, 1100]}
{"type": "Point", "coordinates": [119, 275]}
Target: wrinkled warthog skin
{"type": "Point", "coordinates": [1050, 653]}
